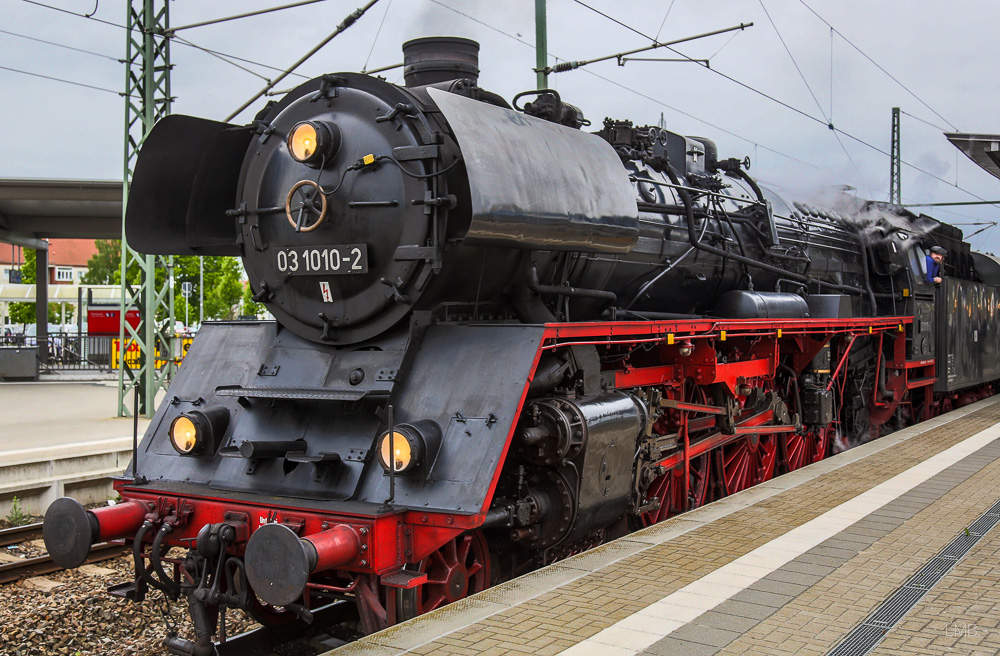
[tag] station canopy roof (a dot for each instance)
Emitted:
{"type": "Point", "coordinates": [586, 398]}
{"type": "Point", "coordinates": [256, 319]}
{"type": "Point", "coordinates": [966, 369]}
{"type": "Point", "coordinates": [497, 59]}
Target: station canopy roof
{"type": "Point", "coordinates": [983, 149]}
{"type": "Point", "coordinates": [32, 210]}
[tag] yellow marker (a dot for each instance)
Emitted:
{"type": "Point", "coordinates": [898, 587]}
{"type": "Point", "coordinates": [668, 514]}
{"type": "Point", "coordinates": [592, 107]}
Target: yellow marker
{"type": "Point", "coordinates": [670, 338]}
{"type": "Point", "coordinates": [368, 160]}
{"type": "Point", "coordinates": [779, 332]}
{"type": "Point", "coordinates": [870, 330]}
{"type": "Point", "coordinates": [906, 292]}
{"type": "Point", "coordinates": [722, 335]}
{"type": "Point", "coordinates": [900, 327]}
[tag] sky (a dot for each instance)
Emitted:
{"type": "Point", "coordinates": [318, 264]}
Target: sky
{"type": "Point", "coordinates": [770, 92]}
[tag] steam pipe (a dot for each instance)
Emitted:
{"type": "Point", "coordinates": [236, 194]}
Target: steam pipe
{"type": "Point", "coordinates": [202, 646]}
{"type": "Point", "coordinates": [534, 286]}
{"type": "Point", "coordinates": [868, 281]}
{"type": "Point", "coordinates": [529, 308]}
{"type": "Point", "coordinates": [653, 281]}
{"type": "Point", "coordinates": [140, 563]}
{"type": "Point", "coordinates": [753, 184]}
{"type": "Point", "coordinates": [795, 383]}
{"type": "Point", "coordinates": [154, 558]}
{"type": "Point", "coordinates": [696, 242]}
{"type": "Point", "coordinates": [660, 316]}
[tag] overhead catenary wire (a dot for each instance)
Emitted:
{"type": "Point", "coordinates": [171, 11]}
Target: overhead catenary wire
{"type": "Point", "coordinates": [755, 143]}
{"type": "Point", "coordinates": [62, 45]}
{"type": "Point", "coordinates": [232, 59]}
{"type": "Point", "coordinates": [346, 23]}
{"type": "Point", "coordinates": [221, 58]}
{"type": "Point", "coordinates": [173, 30]}
{"type": "Point", "coordinates": [790, 107]}
{"type": "Point", "coordinates": [829, 121]}
{"type": "Point", "coordinates": [713, 70]}
{"type": "Point", "coordinates": [701, 120]}
{"type": "Point", "coordinates": [877, 65]}
{"type": "Point", "coordinates": [89, 16]}
{"type": "Point", "coordinates": [63, 80]}
{"type": "Point", "coordinates": [723, 46]}
{"type": "Point", "coordinates": [638, 93]}
{"type": "Point", "coordinates": [925, 122]}
{"type": "Point", "coordinates": [364, 69]}
{"type": "Point", "coordinates": [665, 17]}
{"type": "Point", "coordinates": [483, 23]}
{"type": "Point", "coordinates": [795, 63]}
{"type": "Point", "coordinates": [224, 56]}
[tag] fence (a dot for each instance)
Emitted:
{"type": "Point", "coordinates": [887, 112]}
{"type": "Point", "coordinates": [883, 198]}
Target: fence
{"type": "Point", "coordinates": [81, 352]}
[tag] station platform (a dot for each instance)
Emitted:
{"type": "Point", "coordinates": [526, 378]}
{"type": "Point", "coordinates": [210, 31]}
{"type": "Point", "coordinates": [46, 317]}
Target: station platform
{"type": "Point", "coordinates": [61, 439]}
{"type": "Point", "coordinates": [42, 415]}
{"type": "Point", "coordinates": [888, 548]}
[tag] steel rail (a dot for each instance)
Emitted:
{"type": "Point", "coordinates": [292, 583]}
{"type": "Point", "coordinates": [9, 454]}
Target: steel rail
{"type": "Point", "coordinates": [262, 641]}
{"type": "Point", "coordinates": [11, 572]}
{"type": "Point", "coordinates": [16, 534]}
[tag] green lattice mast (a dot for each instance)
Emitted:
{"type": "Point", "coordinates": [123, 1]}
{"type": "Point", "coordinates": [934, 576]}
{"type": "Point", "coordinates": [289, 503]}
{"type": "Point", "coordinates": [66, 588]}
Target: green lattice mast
{"type": "Point", "coordinates": [147, 99]}
{"type": "Point", "coordinates": [895, 172]}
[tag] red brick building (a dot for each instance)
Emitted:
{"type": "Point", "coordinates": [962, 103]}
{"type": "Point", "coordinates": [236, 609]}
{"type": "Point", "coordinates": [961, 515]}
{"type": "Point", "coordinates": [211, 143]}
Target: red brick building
{"type": "Point", "coordinates": [67, 260]}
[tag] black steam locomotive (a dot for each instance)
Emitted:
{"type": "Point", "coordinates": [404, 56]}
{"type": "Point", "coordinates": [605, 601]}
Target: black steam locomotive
{"type": "Point", "coordinates": [501, 339]}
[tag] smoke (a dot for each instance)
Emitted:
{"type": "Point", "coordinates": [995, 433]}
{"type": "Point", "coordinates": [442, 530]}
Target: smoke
{"type": "Point", "coordinates": [440, 19]}
{"type": "Point", "coordinates": [874, 223]}
{"type": "Point", "coordinates": [877, 223]}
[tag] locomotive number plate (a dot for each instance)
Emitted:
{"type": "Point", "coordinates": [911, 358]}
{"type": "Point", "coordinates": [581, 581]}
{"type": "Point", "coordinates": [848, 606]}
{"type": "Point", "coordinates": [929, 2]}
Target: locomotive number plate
{"type": "Point", "coordinates": [322, 260]}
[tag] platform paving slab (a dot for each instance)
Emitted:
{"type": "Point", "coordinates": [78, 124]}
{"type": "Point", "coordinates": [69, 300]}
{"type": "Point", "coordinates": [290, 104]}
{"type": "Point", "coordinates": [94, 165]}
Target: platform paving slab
{"type": "Point", "coordinates": [653, 579]}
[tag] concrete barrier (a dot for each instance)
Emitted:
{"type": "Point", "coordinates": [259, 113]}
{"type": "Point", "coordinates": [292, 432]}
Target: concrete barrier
{"type": "Point", "coordinates": [37, 477]}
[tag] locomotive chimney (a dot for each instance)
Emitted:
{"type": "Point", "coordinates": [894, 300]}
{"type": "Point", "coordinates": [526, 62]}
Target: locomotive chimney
{"type": "Point", "coordinates": [436, 59]}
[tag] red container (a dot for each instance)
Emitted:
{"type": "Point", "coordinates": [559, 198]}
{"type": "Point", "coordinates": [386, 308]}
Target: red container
{"type": "Point", "coordinates": [105, 320]}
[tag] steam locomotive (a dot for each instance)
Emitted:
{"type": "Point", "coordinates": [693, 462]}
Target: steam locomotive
{"type": "Point", "coordinates": [501, 339]}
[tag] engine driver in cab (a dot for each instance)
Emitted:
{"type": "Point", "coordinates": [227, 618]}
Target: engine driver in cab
{"type": "Point", "coordinates": [934, 260]}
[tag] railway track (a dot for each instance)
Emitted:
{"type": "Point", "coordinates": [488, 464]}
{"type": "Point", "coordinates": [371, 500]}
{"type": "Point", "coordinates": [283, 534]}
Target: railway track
{"type": "Point", "coordinates": [41, 565]}
{"type": "Point", "coordinates": [329, 629]}
{"type": "Point", "coordinates": [17, 534]}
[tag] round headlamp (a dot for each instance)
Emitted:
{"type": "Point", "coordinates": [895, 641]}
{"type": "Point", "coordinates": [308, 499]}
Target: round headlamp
{"type": "Point", "coordinates": [312, 142]}
{"type": "Point", "coordinates": [185, 436]}
{"type": "Point", "coordinates": [405, 450]}
{"type": "Point", "coordinates": [196, 431]}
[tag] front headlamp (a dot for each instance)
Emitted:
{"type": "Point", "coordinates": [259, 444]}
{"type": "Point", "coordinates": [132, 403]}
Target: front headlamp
{"type": "Point", "coordinates": [405, 450]}
{"type": "Point", "coordinates": [184, 435]}
{"type": "Point", "coordinates": [313, 142]}
{"type": "Point", "coordinates": [195, 432]}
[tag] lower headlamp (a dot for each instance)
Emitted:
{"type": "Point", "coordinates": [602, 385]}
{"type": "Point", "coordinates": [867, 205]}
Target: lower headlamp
{"type": "Point", "coordinates": [184, 435]}
{"type": "Point", "coordinates": [195, 432]}
{"type": "Point", "coordinates": [402, 450]}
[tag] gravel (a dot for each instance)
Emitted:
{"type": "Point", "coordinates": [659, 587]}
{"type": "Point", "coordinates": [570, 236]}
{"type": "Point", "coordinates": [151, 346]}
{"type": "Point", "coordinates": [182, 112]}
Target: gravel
{"type": "Point", "coordinates": [79, 618]}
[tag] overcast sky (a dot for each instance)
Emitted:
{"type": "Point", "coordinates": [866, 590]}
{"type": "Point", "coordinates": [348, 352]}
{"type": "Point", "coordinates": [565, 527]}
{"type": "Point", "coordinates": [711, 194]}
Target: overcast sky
{"type": "Point", "coordinates": [944, 54]}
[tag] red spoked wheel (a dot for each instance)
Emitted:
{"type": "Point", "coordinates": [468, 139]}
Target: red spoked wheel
{"type": "Point", "coordinates": [669, 489]}
{"type": "Point", "coordinates": [748, 461]}
{"type": "Point", "coordinates": [801, 449]}
{"type": "Point", "coordinates": [461, 567]}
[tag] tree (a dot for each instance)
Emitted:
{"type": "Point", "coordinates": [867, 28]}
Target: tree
{"type": "Point", "coordinates": [104, 267]}
{"type": "Point", "coordinates": [24, 313]}
{"type": "Point", "coordinates": [223, 287]}
{"type": "Point", "coordinates": [223, 281]}
{"type": "Point", "coordinates": [251, 307]}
